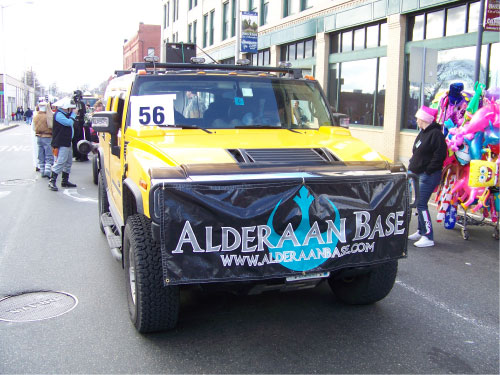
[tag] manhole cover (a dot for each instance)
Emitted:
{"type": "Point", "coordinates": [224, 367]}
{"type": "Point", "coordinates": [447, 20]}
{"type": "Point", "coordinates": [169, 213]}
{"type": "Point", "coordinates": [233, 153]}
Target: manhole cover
{"type": "Point", "coordinates": [33, 306]}
{"type": "Point", "coordinates": [18, 181]}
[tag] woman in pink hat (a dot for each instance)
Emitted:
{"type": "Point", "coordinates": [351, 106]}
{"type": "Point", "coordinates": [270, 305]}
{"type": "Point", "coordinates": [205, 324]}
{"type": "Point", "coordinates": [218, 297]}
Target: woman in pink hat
{"type": "Point", "coordinates": [429, 152]}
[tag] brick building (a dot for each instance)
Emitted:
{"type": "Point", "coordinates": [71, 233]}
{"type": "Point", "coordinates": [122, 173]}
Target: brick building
{"type": "Point", "coordinates": [145, 42]}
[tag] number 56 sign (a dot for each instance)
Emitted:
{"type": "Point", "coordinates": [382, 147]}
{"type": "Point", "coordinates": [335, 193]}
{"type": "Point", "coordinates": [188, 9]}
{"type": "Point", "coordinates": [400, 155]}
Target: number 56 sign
{"type": "Point", "coordinates": [150, 110]}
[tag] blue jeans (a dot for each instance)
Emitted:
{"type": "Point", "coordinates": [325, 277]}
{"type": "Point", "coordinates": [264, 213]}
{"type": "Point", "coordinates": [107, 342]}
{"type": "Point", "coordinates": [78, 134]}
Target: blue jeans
{"type": "Point", "coordinates": [64, 160]}
{"type": "Point", "coordinates": [45, 156]}
{"type": "Point", "coordinates": [426, 184]}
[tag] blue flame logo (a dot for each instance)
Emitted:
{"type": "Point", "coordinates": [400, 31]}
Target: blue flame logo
{"type": "Point", "coordinates": [304, 201]}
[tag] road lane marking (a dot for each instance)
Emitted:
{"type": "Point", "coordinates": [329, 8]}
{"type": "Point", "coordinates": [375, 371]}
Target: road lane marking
{"type": "Point", "coordinates": [73, 194]}
{"type": "Point", "coordinates": [432, 300]}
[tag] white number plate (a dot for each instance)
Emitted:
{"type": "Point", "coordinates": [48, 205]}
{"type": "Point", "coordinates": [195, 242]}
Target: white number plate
{"type": "Point", "coordinates": [151, 110]}
{"type": "Point", "coordinates": [314, 275]}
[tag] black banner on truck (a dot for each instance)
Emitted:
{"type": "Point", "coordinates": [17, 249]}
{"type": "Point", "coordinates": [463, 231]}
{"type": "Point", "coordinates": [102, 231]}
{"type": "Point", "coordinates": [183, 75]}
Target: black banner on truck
{"type": "Point", "coordinates": [268, 229]}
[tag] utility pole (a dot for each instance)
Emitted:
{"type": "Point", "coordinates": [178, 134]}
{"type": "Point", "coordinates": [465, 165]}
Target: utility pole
{"type": "Point", "coordinates": [479, 41]}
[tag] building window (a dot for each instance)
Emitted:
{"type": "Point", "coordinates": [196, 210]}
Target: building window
{"type": "Point", "coordinates": [190, 4]}
{"type": "Point", "coordinates": [194, 31]}
{"type": "Point", "coordinates": [359, 90]}
{"type": "Point", "coordinates": [291, 7]}
{"type": "Point", "coordinates": [370, 36]}
{"type": "Point", "coordinates": [261, 58]}
{"type": "Point", "coordinates": [174, 10]}
{"type": "Point", "coordinates": [190, 28]}
{"type": "Point", "coordinates": [452, 20]}
{"type": "Point", "coordinates": [205, 30]}
{"type": "Point", "coordinates": [455, 20]}
{"type": "Point", "coordinates": [233, 17]}
{"type": "Point", "coordinates": [264, 10]}
{"type": "Point", "coordinates": [225, 20]}
{"type": "Point", "coordinates": [212, 27]}
{"type": "Point", "coordinates": [252, 6]}
{"type": "Point", "coordinates": [302, 49]}
{"type": "Point", "coordinates": [168, 13]}
{"type": "Point", "coordinates": [195, 2]}
{"type": "Point", "coordinates": [453, 64]}
{"type": "Point", "coordinates": [164, 15]}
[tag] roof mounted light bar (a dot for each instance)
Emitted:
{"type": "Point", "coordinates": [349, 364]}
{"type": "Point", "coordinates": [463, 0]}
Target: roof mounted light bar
{"type": "Point", "coordinates": [295, 72]}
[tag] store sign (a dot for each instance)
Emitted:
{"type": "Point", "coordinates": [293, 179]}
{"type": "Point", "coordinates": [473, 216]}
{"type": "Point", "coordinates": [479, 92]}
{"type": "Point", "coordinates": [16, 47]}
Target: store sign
{"type": "Point", "coordinates": [492, 22]}
{"type": "Point", "coordinates": [249, 32]}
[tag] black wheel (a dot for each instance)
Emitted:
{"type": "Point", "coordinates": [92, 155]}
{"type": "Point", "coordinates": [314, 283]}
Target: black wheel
{"type": "Point", "coordinates": [95, 170]}
{"type": "Point", "coordinates": [102, 198]}
{"type": "Point", "coordinates": [366, 288]}
{"type": "Point", "coordinates": [152, 306]}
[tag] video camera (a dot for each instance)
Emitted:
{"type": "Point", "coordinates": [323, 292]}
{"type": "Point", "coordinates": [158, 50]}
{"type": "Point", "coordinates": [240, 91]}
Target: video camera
{"type": "Point", "coordinates": [80, 105]}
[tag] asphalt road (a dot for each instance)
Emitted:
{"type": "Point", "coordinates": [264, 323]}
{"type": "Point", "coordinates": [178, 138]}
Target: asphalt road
{"type": "Point", "coordinates": [441, 317]}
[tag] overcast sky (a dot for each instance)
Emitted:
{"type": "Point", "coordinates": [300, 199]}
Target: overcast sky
{"type": "Point", "coordinates": [71, 42]}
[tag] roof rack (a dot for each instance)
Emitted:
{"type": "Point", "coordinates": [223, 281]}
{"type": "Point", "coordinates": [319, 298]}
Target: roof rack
{"type": "Point", "coordinates": [296, 73]}
{"type": "Point", "coordinates": [120, 73]}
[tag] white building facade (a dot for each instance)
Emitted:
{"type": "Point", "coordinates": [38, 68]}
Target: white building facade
{"type": "Point", "coordinates": [359, 50]}
{"type": "Point", "coordinates": [17, 94]}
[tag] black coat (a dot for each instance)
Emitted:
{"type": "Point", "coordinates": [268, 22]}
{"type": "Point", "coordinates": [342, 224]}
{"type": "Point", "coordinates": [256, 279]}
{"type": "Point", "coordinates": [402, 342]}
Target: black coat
{"type": "Point", "coordinates": [429, 150]}
{"type": "Point", "coordinates": [61, 135]}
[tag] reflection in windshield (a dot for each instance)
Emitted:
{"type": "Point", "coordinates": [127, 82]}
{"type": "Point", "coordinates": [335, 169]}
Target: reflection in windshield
{"type": "Point", "coordinates": [236, 101]}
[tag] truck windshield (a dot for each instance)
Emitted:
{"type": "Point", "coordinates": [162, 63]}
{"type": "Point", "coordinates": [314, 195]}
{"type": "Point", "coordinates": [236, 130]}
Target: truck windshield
{"type": "Point", "coordinates": [215, 101]}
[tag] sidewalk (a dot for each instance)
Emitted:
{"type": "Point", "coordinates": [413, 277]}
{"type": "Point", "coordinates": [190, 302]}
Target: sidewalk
{"type": "Point", "coordinates": [12, 124]}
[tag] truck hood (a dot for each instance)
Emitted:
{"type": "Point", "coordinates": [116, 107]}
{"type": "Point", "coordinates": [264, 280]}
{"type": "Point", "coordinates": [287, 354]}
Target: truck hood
{"type": "Point", "coordinates": [194, 146]}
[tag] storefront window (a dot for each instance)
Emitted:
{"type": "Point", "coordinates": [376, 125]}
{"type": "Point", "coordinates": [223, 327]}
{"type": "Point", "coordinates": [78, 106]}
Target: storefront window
{"type": "Point", "coordinates": [455, 21]}
{"type": "Point", "coordinates": [359, 39]}
{"type": "Point", "coordinates": [347, 41]}
{"type": "Point", "coordinates": [435, 25]}
{"type": "Point", "coordinates": [383, 34]}
{"type": "Point", "coordinates": [454, 65]}
{"type": "Point", "coordinates": [494, 73]}
{"type": "Point", "coordinates": [357, 90]}
{"type": "Point", "coordinates": [309, 48]}
{"type": "Point", "coordinates": [418, 28]}
{"type": "Point", "coordinates": [473, 17]}
{"type": "Point", "coordinates": [372, 36]}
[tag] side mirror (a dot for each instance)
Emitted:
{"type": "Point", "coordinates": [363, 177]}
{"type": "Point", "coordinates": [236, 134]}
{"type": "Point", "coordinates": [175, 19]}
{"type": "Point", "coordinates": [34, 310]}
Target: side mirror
{"type": "Point", "coordinates": [106, 122]}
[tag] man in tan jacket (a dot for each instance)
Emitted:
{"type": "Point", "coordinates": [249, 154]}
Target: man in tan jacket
{"type": "Point", "coordinates": [43, 139]}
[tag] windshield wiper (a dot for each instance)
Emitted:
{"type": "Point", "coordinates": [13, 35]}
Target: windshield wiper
{"type": "Point", "coordinates": [264, 127]}
{"type": "Point", "coordinates": [257, 127]}
{"type": "Point", "coordinates": [186, 127]}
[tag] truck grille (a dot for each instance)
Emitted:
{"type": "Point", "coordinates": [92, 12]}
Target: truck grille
{"type": "Point", "coordinates": [283, 156]}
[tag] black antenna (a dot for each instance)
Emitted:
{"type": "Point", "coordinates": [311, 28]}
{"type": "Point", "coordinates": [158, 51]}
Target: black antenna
{"type": "Point", "coordinates": [207, 54]}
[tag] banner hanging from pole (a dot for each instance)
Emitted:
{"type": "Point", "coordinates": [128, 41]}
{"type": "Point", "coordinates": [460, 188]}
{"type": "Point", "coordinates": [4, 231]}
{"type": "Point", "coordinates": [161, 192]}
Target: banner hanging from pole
{"type": "Point", "coordinates": [249, 32]}
{"type": "Point", "coordinates": [492, 22]}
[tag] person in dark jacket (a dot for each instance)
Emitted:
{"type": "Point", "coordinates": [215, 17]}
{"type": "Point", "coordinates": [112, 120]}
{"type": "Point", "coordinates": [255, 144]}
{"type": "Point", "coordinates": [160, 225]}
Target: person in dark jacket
{"type": "Point", "coordinates": [429, 152]}
{"type": "Point", "coordinates": [62, 134]}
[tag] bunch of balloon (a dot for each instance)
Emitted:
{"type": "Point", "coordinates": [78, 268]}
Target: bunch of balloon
{"type": "Point", "coordinates": [471, 125]}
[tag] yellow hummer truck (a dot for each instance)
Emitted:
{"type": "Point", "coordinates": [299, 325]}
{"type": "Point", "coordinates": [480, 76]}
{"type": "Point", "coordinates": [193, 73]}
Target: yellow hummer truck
{"type": "Point", "coordinates": [235, 176]}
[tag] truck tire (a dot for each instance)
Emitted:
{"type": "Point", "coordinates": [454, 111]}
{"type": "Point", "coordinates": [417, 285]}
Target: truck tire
{"type": "Point", "coordinates": [102, 198]}
{"type": "Point", "coordinates": [366, 288]}
{"type": "Point", "coordinates": [95, 170]}
{"type": "Point", "coordinates": [152, 306]}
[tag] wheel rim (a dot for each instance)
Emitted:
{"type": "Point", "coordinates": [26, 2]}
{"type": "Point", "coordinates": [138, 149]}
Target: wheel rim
{"type": "Point", "coordinates": [131, 276]}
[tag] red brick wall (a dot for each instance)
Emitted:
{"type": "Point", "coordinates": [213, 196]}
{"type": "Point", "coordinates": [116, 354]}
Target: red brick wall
{"type": "Point", "coordinates": [134, 50]}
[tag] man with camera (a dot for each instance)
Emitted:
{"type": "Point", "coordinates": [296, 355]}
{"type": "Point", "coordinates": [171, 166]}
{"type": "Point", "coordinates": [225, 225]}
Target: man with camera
{"type": "Point", "coordinates": [62, 133]}
{"type": "Point", "coordinates": [80, 130]}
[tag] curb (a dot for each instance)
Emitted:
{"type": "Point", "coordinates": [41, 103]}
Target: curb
{"type": "Point", "coordinates": [8, 127]}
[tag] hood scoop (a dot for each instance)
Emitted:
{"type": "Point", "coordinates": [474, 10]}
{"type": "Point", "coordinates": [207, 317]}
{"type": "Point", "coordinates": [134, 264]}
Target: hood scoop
{"type": "Point", "coordinates": [283, 155]}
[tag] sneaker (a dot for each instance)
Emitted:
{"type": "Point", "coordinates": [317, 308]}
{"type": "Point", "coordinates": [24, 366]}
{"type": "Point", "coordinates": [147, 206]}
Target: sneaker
{"type": "Point", "coordinates": [415, 236]}
{"type": "Point", "coordinates": [424, 242]}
